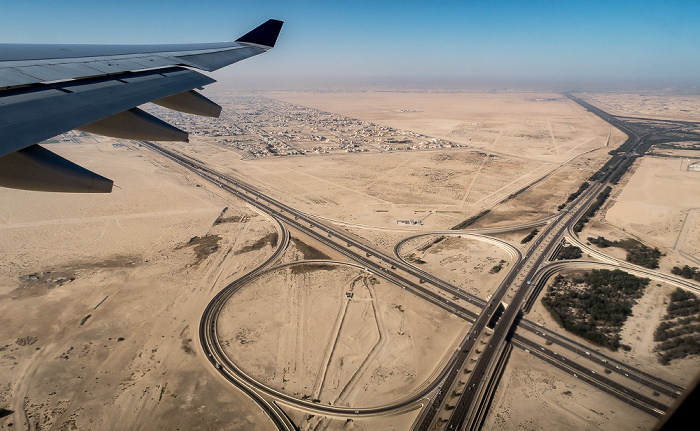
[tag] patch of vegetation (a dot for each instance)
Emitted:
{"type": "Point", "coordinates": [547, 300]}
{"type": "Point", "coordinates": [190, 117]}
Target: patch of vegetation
{"type": "Point", "coordinates": [569, 252]}
{"type": "Point", "coordinates": [187, 346]}
{"type": "Point", "coordinates": [230, 219]}
{"type": "Point", "coordinates": [529, 236]}
{"type": "Point", "coordinates": [594, 305]}
{"type": "Point", "coordinates": [637, 253]}
{"type": "Point", "coordinates": [432, 243]}
{"type": "Point", "coordinates": [644, 256]}
{"type": "Point", "coordinates": [601, 241]}
{"type": "Point", "coordinates": [203, 246]}
{"type": "Point", "coordinates": [575, 194]}
{"type": "Point", "coordinates": [415, 259]}
{"type": "Point", "coordinates": [625, 244]}
{"type": "Point", "coordinates": [595, 206]}
{"type": "Point", "coordinates": [311, 267]}
{"type": "Point", "coordinates": [678, 334]}
{"type": "Point", "coordinates": [606, 167]}
{"type": "Point", "coordinates": [471, 220]}
{"type": "Point", "coordinates": [624, 166]}
{"type": "Point", "coordinates": [496, 269]}
{"type": "Point", "coordinates": [309, 252]}
{"type": "Point", "coordinates": [687, 272]}
{"type": "Point", "coordinates": [26, 341]}
{"type": "Point", "coordinates": [269, 239]}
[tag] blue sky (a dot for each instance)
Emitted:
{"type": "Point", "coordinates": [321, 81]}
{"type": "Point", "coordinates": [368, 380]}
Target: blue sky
{"type": "Point", "coordinates": [541, 43]}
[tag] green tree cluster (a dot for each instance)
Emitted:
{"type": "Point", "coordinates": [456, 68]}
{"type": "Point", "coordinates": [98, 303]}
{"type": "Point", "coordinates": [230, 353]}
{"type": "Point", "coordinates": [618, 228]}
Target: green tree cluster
{"type": "Point", "coordinates": [687, 272]}
{"type": "Point", "coordinates": [597, 310]}
{"type": "Point", "coordinates": [595, 206]}
{"type": "Point", "coordinates": [529, 236]}
{"type": "Point", "coordinates": [644, 256]}
{"type": "Point", "coordinates": [569, 252]}
{"type": "Point", "coordinates": [678, 334]}
{"type": "Point", "coordinates": [637, 253]}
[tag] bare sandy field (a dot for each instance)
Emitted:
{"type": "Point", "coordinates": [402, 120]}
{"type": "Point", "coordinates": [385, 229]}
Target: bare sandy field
{"type": "Point", "coordinates": [466, 262]}
{"type": "Point", "coordinates": [102, 295]}
{"type": "Point", "coordinates": [315, 343]}
{"type": "Point", "coordinates": [514, 140]}
{"type": "Point", "coordinates": [533, 396]}
{"type": "Point", "coordinates": [648, 105]}
{"type": "Point", "coordinates": [400, 422]}
{"type": "Point", "coordinates": [438, 187]}
{"type": "Point", "coordinates": [536, 126]}
{"type": "Point", "coordinates": [100, 298]}
{"type": "Point", "coordinates": [660, 205]}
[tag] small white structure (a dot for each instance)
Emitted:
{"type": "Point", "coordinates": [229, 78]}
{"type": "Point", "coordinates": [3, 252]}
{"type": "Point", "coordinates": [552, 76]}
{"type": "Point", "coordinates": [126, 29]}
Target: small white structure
{"type": "Point", "coordinates": [410, 222]}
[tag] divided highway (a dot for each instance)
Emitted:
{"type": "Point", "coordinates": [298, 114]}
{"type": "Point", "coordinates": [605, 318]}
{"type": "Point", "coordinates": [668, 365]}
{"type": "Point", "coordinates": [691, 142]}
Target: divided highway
{"type": "Point", "coordinates": [527, 273]}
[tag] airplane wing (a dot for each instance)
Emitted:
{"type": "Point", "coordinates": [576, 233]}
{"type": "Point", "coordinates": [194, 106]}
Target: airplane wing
{"type": "Point", "coordinates": [46, 90]}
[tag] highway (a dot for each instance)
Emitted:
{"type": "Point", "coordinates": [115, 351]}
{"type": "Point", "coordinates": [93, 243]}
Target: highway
{"type": "Point", "coordinates": [470, 410]}
{"type": "Point", "coordinates": [467, 406]}
{"type": "Point", "coordinates": [531, 268]}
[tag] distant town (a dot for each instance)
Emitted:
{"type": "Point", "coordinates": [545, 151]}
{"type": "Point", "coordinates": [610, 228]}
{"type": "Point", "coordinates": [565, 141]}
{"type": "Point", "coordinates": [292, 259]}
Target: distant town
{"type": "Point", "coordinates": [259, 127]}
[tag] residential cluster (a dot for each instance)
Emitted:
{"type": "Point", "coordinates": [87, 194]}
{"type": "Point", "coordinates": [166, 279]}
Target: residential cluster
{"type": "Point", "coordinates": [261, 127]}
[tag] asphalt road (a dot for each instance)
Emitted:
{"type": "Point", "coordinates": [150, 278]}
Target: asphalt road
{"type": "Point", "coordinates": [467, 413]}
{"type": "Point", "coordinates": [401, 273]}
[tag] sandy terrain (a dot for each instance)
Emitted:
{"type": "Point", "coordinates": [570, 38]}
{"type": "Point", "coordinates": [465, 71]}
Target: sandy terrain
{"type": "Point", "coordinates": [465, 262]}
{"type": "Point", "coordinates": [315, 343]}
{"type": "Point", "coordinates": [637, 332]}
{"type": "Point", "coordinates": [101, 296]}
{"type": "Point", "coordinates": [514, 140]}
{"type": "Point", "coordinates": [647, 105]}
{"type": "Point", "coordinates": [533, 396]}
{"type": "Point", "coordinates": [660, 206]}
{"type": "Point", "coordinates": [551, 127]}
{"type": "Point", "coordinates": [534, 133]}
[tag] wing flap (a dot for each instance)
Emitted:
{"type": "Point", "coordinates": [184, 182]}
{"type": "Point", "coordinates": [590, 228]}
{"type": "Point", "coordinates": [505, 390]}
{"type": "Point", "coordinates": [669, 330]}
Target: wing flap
{"type": "Point", "coordinates": [36, 168]}
{"type": "Point", "coordinates": [114, 65]}
{"type": "Point", "coordinates": [190, 102]}
{"type": "Point", "coordinates": [12, 78]}
{"type": "Point", "coordinates": [57, 72]}
{"type": "Point", "coordinates": [137, 125]}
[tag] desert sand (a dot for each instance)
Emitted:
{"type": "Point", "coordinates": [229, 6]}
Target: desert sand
{"type": "Point", "coordinates": [649, 105]}
{"type": "Point", "coordinates": [659, 205]}
{"type": "Point", "coordinates": [533, 396]}
{"type": "Point", "coordinates": [513, 141]}
{"type": "Point", "coordinates": [102, 295]}
{"type": "Point", "coordinates": [317, 344]}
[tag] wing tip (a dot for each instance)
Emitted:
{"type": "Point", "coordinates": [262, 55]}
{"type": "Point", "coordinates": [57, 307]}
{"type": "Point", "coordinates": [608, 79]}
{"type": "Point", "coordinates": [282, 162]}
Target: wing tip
{"type": "Point", "coordinates": [265, 34]}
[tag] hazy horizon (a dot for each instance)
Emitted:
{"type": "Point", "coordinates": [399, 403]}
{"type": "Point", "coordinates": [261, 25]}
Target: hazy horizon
{"type": "Point", "coordinates": [231, 81]}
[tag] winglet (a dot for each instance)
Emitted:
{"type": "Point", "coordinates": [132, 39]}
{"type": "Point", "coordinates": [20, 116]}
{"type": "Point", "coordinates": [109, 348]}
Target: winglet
{"type": "Point", "coordinates": [265, 34]}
